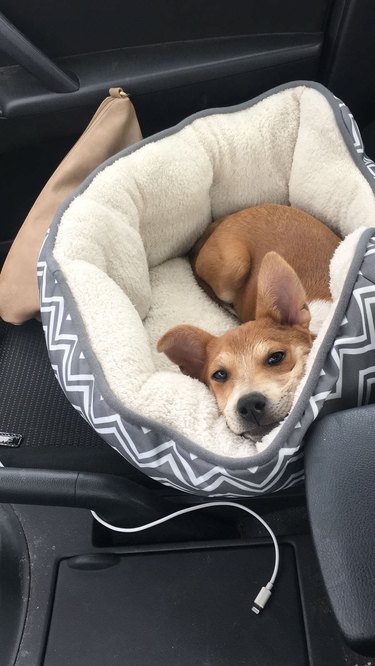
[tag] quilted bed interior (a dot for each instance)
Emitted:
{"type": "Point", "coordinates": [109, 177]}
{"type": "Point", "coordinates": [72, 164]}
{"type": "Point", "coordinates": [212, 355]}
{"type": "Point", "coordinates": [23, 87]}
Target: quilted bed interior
{"type": "Point", "coordinates": [121, 243]}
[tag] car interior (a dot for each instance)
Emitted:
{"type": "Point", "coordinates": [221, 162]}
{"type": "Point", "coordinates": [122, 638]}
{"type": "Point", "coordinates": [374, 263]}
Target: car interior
{"type": "Point", "coordinates": [73, 591]}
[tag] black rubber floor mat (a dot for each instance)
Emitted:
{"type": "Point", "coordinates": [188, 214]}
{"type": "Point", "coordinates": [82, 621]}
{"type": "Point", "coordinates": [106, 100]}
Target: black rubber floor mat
{"type": "Point", "coordinates": [33, 405]}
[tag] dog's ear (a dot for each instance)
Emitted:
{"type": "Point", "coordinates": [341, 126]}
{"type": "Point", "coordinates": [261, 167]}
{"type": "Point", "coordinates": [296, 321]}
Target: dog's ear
{"type": "Point", "coordinates": [280, 293]}
{"type": "Point", "coordinates": [186, 346]}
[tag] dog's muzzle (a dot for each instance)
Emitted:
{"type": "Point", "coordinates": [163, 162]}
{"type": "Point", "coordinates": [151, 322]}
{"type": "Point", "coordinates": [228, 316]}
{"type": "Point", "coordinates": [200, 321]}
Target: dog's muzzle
{"type": "Point", "coordinates": [252, 408]}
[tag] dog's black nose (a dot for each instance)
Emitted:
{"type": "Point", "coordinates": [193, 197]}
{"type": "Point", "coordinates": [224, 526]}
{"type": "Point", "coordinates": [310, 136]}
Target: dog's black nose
{"type": "Point", "coordinates": [251, 407]}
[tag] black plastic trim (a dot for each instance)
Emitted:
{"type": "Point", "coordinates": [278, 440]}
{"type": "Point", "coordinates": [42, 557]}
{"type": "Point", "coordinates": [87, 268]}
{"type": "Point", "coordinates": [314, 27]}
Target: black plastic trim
{"type": "Point", "coordinates": [115, 498]}
{"type": "Point", "coordinates": [154, 68]}
{"type": "Point", "coordinates": [185, 607]}
{"type": "Point", "coordinates": [16, 45]}
{"type": "Point", "coordinates": [339, 464]}
{"type": "Point", "coordinates": [58, 533]}
{"type": "Point", "coordinates": [14, 584]}
{"type": "Point", "coordinates": [348, 56]}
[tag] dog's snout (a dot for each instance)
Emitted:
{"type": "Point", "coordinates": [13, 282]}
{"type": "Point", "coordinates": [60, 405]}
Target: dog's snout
{"type": "Point", "coordinates": [252, 406]}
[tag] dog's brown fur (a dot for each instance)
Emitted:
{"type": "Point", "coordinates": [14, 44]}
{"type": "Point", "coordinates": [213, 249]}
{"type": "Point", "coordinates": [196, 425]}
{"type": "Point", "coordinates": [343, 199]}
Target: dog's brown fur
{"type": "Point", "coordinates": [227, 258]}
{"type": "Point", "coordinates": [254, 370]}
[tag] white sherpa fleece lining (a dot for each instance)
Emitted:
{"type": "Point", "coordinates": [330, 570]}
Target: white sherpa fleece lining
{"type": "Point", "coordinates": [121, 243]}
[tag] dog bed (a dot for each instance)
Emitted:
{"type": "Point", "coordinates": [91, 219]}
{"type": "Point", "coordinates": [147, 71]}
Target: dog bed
{"type": "Point", "coordinates": [113, 277]}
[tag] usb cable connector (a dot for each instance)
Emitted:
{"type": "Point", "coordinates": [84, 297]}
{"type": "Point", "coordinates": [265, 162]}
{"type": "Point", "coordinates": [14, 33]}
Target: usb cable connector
{"type": "Point", "coordinates": [262, 598]}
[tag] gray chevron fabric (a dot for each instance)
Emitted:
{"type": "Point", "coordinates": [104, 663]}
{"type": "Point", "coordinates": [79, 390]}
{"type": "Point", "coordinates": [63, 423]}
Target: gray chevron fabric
{"type": "Point", "coordinates": [343, 375]}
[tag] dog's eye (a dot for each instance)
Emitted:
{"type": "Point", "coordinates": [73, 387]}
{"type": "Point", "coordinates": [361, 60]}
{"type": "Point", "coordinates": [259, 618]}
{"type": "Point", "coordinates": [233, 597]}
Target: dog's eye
{"type": "Point", "coordinates": [275, 358]}
{"type": "Point", "coordinates": [220, 376]}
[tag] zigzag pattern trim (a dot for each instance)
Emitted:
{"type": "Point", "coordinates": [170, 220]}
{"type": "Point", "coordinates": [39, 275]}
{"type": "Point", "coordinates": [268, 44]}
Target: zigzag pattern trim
{"type": "Point", "coordinates": [355, 133]}
{"type": "Point", "coordinates": [165, 460]}
{"type": "Point", "coordinates": [67, 354]}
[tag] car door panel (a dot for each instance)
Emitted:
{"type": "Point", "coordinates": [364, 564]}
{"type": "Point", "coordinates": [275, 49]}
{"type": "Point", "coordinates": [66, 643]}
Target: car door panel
{"type": "Point", "coordinates": [174, 59]}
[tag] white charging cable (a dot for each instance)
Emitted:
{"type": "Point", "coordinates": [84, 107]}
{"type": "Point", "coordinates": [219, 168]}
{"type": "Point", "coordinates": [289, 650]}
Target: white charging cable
{"type": "Point", "coordinates": [265, 592]}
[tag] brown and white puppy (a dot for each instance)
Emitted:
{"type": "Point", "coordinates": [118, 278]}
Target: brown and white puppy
{"type": "Point", "coordinates": [254, 370]}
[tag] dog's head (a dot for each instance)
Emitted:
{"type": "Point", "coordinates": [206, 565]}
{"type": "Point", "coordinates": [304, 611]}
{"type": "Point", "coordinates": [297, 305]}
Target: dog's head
{"type": "Point", "coordinates": [253, 370]}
